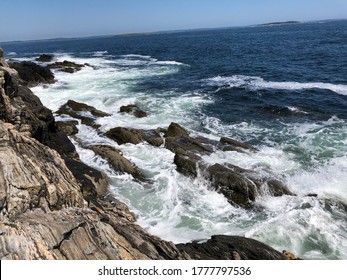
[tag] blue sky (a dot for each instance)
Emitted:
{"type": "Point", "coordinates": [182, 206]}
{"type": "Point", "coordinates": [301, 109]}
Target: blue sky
{"type": "Point", "coordinates": [42, 19]}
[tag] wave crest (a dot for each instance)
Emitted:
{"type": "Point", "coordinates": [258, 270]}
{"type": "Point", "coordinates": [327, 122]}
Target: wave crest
{"type": "Point", "coordinates": [255, 83]}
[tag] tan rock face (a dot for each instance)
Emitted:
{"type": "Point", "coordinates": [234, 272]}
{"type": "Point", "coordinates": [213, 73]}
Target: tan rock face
{"type": "Point", "coordinates": [31, 171]}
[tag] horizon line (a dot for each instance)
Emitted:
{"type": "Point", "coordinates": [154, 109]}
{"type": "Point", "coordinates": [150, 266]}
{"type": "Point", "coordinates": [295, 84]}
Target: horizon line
{"type": "Point", "coordinates": [163, 31]}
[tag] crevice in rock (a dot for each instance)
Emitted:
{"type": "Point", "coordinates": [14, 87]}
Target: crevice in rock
{"type": "Point", "coordinates": [66, 236]}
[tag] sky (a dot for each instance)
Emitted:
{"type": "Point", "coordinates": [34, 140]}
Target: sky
{"type": "Point", "coordinates": [45, 19]}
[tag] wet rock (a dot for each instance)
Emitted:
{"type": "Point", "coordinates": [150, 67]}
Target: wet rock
{"type": "Point", "coordinates": [221, 247]}
{"type": "Point", "coordinates": [152, 137]}
{"type": "Point", "coordinates": [176, 137]}
{"type": "Point", "coordinates": [133, 110]}
{"type": "Point", "coordinates": [66, 66]}
{"type": "Point", "coordinates": [45, 58]}
{"type": "Point", "coordinates": [33, 74]}
{"type": "Point", "coordinates": [237, 188]}
{"type": "Point", "coordinates": [176, 131]}
{"type": "Point", "coordinates": [118, 162]}
{"type": "Point", "coordinates": [87, 114]}
{"type": "Point", "coordinates": [92, 181]}
{"type": "Point", "coordinates": [81, 107]}
{"type": "Point", "coordinates": [67, 127]}
{"type": "Point", "coordinates": [62, 144]}
{"type": "Point", "coordinates": [290, 256]}
{"type": "Point", "coordinates": [124, 135]}
{"type": "Point", "coordinates": [233, 145]}
{"type": "Point", "coordinates": [277, 188]}
{"type": "Point", "coordinates": [187, 162]}
{"type": "Point", "coordinates": [330, 204]}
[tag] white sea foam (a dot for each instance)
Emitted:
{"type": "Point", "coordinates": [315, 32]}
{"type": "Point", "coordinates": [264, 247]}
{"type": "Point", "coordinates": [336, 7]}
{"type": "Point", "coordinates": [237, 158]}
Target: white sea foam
{"type": "Point", "coordinates": [168, 63]}
{"type": "Point", "coordinates": [296, 110]}
{"type": "Point", "coordinates": [137, 55]}
{"type": "Point", "coordinates": [100, 53]}
{"type": "Point", "coordinates": [256, 83]}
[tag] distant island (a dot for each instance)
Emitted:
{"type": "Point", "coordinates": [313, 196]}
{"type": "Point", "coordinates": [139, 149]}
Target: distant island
{"type": "Point", "coordinates": [279, 23]}
{"type": "Point", "coordinates": [131, 34]}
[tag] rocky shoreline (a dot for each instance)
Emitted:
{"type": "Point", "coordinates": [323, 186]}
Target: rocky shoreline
{"type": "Point", "coordinates": [53, 206]}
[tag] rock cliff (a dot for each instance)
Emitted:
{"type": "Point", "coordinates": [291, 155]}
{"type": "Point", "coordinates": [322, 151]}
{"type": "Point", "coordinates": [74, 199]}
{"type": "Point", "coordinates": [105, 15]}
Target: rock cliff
{"type": "Point", "coordinates": [53, 206]}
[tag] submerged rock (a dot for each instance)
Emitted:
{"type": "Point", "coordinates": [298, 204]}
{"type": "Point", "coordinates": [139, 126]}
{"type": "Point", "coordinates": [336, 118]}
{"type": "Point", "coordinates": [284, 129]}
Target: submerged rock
{"type": "Point", "coordinates": [133, 110]}
{"type": "Point", "coordinates": [33, 74]}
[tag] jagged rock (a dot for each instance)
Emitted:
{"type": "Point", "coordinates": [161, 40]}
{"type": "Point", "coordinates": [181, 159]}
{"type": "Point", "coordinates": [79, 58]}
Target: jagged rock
{"type": "Point", "coordinates": [33, 119]}
{"type": "Point", "coordinates": [2, 59]}
{"type": "Point", "coordinates": [175, 130]}
{"type": "Point", "coordinates": [81, 107]}
{"type": "Point", "coordinates": [66, 66]}
{"type": "Point", "coordinates": [22, 107]}
{"type": "Point", "coordinates": [33, 74]}
{"type": "Point", "coordinates": [80, 111]}
{"type": "Point", "coordinates": [33, 175]}
{"type": "Point", "coordinates": [45, 58]}
{"type": "Point", "coordinates": [134, 110]}
{"type": "Point", "coordinates": [118, 162]}
{"type": "Point", "coordinates": [67, 127]}
{"type": "Point", "coordinates": [221, 247]}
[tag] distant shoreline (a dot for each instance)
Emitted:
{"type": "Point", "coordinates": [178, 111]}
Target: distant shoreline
{"type": "Point", "coordinates": [166, 31]}
{"type": "Point", "coordinates": [280, 23]}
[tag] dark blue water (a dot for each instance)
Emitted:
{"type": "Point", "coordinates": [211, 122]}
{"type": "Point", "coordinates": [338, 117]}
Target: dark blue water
{"type": "Point", "coordinates": [280, 88]}
{"type": "Point", "coordinates": [304, 53]}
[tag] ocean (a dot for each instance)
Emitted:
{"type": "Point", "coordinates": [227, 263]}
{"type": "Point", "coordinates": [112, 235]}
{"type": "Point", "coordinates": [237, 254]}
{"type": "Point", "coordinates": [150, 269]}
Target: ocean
{"type": "Point", "coordinates": [282, 89]}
